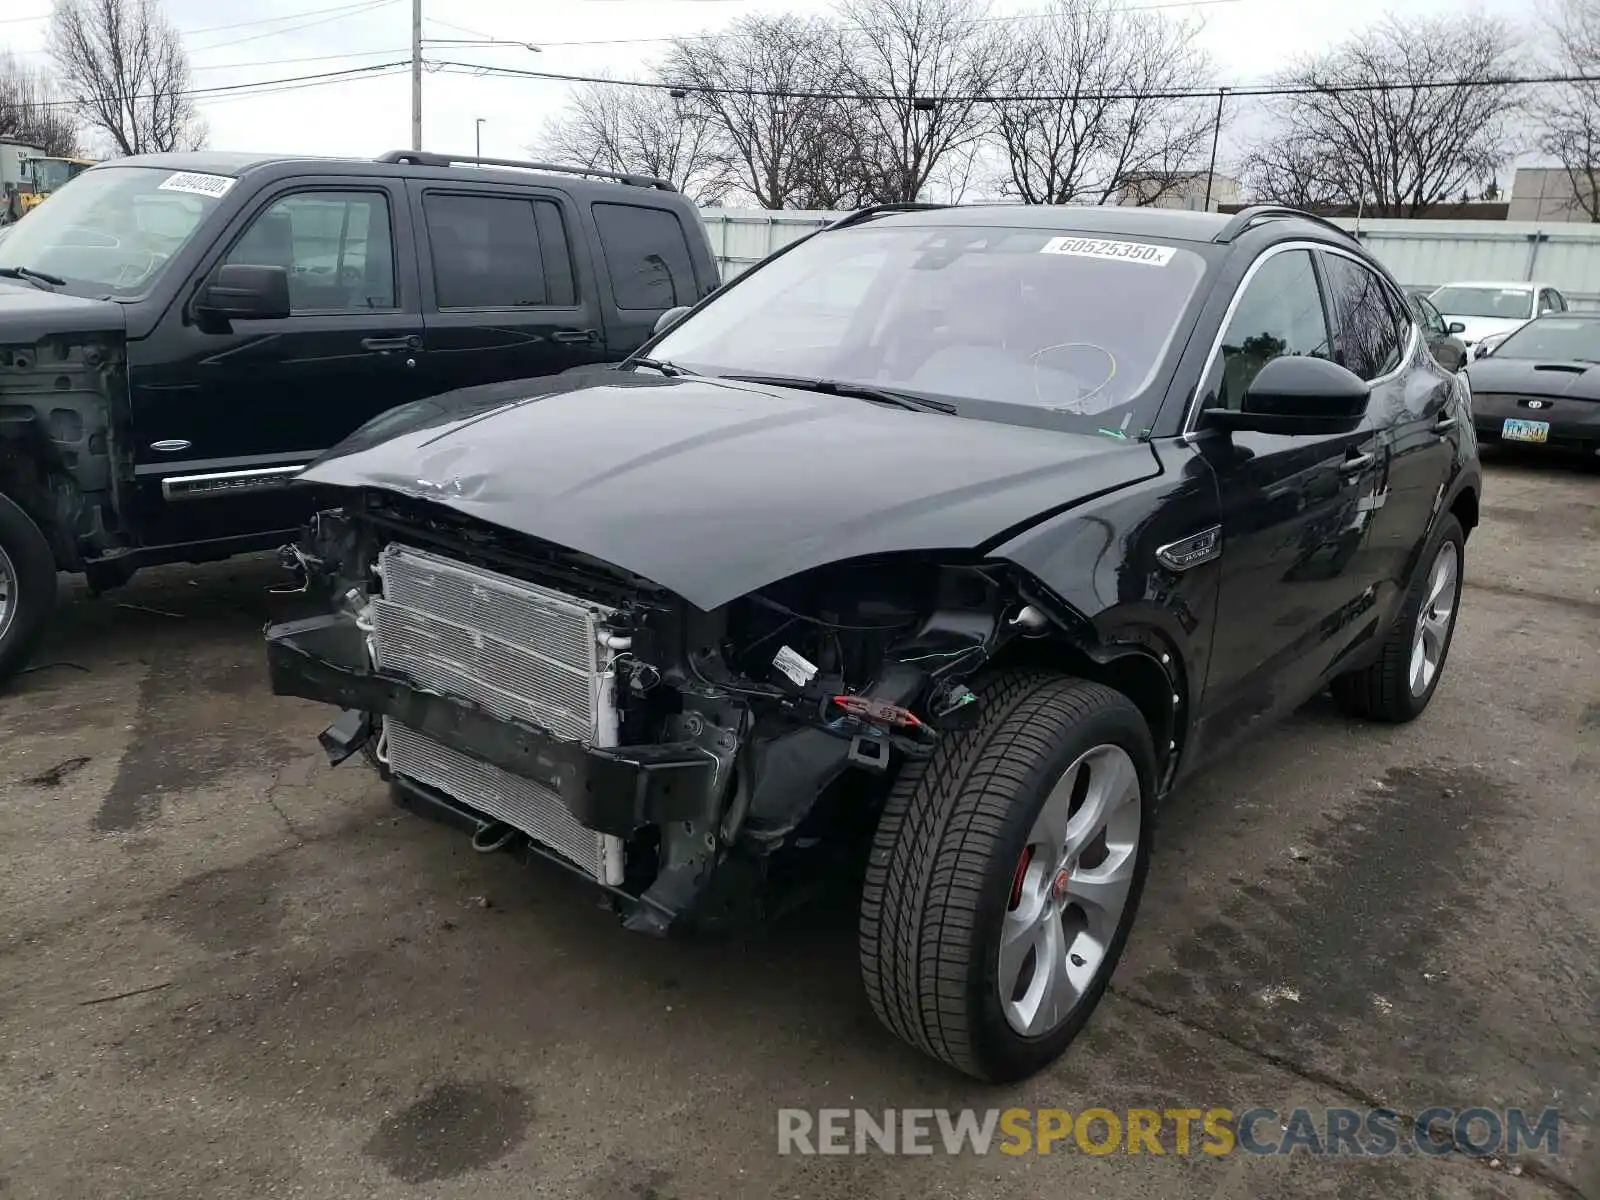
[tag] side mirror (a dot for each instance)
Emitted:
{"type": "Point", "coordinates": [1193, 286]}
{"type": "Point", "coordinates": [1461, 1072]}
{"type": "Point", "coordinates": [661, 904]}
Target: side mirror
{"type": "Point", "coordinates": [670, 318]}
{"type": "Point", "coordinates": [1457, 327]}
{"type": "Point", "coordinates": [1296, 394]}
{"type": "Point", "coordinates": [243, 291]}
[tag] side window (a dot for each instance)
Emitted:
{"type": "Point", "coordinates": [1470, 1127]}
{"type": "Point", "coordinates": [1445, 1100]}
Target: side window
{"type": "Point", "coordinates": [486, 251]}
{"type": "Point", "coordinates": [647, 256]}
{"type": "Point", "coordinates": [1369, 341]}
{"type": "Point", "coordinates": [1279, 313]}
{"type": "Point", "coordinates": [1560, 300]}
{"type": "Point", "coordinates": [1431, 317]}
{"type": "Point", "coordinates": [335, 246]}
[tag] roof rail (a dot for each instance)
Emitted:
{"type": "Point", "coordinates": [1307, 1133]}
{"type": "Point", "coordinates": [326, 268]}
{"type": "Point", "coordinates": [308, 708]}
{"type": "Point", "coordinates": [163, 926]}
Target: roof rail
{"type": "Point", "coordinates": [1246, 217]}
{"type": "Point", "coordinates": [426, 158]}
{"type": "Point", "coordinates": [878, 210]}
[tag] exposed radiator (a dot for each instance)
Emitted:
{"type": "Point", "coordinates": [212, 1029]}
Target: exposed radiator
{"type": "Point", "coordinates": [520, 803]}
{"type": "Point", "coordinates": [521, 652]}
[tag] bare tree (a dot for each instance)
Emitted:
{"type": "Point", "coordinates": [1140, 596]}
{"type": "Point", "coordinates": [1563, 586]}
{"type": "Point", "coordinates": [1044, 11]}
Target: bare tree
{"type": "Point", "coordinates": [1366, 131]}
{"type": "Point", "coordinates": [1569, 113]}
{"type": "Point", "coordinates": [31, 111]}
{"type": "Point", "coordinates": [1097, 115]}
{"type": "Point", "coordinates": [126, 68]}
{"type": "Point", "coordinates": [927, 64]}
{"type": "Point", "coordinates": [617, 127]}
{"type": "Point", "coordinates": [768, 90]}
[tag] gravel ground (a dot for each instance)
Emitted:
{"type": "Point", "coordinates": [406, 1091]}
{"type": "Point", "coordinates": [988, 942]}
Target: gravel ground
{"type": "Point", "coordinates": [226, 970]}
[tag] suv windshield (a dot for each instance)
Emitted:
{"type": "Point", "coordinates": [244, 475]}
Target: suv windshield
{"type": "Point", "coordinates": [111, 231]}
{"type": "Point", "coordinates": [1563, 339]}
{"type": "Point", "coordinates": [1508, 303]}
{"type": "Point", "coordinates": [994, 321]}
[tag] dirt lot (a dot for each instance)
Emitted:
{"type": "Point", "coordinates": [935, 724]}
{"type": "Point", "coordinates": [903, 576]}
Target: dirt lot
{"type": "Point", "coordinates": [226, 970]}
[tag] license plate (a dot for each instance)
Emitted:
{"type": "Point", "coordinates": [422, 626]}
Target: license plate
{"type": "Point", "coordinates": [1525, 431]}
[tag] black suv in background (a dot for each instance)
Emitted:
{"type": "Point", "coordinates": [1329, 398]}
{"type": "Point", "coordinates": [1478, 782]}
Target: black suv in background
{"type": "Point", "coordinates": [180, 334]}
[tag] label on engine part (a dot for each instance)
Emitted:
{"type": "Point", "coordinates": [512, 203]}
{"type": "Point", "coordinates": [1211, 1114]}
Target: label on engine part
{"type": "Point", "coordinates": [196, 184]}
{"type": "Point", "coordinates": [799, 671]}
{"type": "Point", "coordinates": [1133, 252]}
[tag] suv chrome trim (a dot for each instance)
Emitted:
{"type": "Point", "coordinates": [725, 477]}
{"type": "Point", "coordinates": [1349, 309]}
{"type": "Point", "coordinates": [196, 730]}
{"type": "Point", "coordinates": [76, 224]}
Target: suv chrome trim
{"type": "Point", "coordinates": [227, 483]}
{"type": "Point", "coordinates": [1192, 405]}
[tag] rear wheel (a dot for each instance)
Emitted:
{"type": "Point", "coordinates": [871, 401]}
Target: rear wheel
{"type": "Point", "coordinates": [1399, 684]}
{"type": "Point", "coordinates": [1005, 875]}
{"type": "Point", "coordinates": [27, 587]}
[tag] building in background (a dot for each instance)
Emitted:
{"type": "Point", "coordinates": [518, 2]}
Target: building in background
{"type": "Point", "coordinates": [1180, 189]}
{"type": "Point", "coordinates": [1547, 194]}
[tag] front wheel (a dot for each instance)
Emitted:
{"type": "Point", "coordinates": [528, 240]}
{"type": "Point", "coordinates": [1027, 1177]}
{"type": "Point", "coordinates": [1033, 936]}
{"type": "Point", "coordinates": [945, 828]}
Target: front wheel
{"type": "Point", "coordinates": [27, 587]}
{"type": "Point", "coordinates": [1005, 875]}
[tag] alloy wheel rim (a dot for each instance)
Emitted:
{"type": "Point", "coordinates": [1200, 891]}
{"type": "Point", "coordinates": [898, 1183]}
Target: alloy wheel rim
{"type": "Point", "coordinates": [1071, 888]}
{"type": "Point", "coordinates": [1431, 637]}
{"type": "Point", "coordinates": [8, 592]}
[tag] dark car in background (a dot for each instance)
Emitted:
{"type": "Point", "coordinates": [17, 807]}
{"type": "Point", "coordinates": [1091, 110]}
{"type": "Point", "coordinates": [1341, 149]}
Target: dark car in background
{"type": "Point", "coordinates": [1541, 385]}
{"type": "Point", "coordinates": [932, 553]}
{"type": "Point", "coordinates": [181, 333]}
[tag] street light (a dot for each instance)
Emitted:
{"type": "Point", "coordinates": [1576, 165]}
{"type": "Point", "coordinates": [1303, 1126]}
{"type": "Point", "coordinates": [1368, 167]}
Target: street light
{"type": "Point", "coordinates": [477, 137]}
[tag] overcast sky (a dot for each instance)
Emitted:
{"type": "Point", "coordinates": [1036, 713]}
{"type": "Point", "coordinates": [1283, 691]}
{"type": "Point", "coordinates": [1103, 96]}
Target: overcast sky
{"type": "Point", "coordinates": [244, 41]}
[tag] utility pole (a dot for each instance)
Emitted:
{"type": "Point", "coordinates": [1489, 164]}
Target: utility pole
{"type": "Point", "coordinates": [1216, 134]}
{"type": "Point", "coordinates": [477, 137]}
{"type": "Point", "coordinates": [416, 74]}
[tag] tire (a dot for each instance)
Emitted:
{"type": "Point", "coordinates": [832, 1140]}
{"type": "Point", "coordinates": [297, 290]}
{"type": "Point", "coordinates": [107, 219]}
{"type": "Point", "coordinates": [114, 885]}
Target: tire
{"type": "Point", "coordinates": [947, 863]}
{"type": "Point", "coordinates": [27, 587]}
{"type": "Point", "coordinates": [1387, 690]}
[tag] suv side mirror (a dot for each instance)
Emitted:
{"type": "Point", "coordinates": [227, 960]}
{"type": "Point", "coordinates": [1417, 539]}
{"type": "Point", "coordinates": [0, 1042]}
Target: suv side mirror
{"type": "Point", "coordinates": [670, 318]}
{"type": "Point", "coordinates": [243, 291]}
{"type": "Point", "coordinates": [1297, 394]}
{"type": "Point", "coordinates": [1456, 327]}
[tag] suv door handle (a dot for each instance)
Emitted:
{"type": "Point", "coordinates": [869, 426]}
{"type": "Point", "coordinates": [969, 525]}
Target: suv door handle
{"type": "Point", "coordinates": [575, 335]}
{"type": "Point", "coordinates": [1357, 463]}
{"type": "Point", "coordinates": [412, 342]}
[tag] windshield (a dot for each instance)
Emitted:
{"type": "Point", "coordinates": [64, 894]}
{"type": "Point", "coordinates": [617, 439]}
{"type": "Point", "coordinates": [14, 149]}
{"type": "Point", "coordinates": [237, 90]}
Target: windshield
{"type": "Point", "coordinates": [993, 321]}
{"type": "Point", "coordinates": [112, 231]}
{"type": "Point", "coordinates": [1515, 304]}
{"type": "Point", "coordinates": [1561, 339]}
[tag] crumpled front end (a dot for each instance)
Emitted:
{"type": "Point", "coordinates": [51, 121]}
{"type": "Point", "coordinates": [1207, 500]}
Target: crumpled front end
{"type": "Point", "coordinates": [687, 762]}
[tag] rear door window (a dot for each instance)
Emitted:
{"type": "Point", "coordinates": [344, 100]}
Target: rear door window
{"type": "Point", "coordinates": [497, 251]}
{"type": "Point", "coordinates": [647, 256]}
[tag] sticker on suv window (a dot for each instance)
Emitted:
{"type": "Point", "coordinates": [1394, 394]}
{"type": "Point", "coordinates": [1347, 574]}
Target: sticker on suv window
{"type": "Point", "coordinates": [196, 184]}
{"type": "Point", "coordinates": [1133, 252]}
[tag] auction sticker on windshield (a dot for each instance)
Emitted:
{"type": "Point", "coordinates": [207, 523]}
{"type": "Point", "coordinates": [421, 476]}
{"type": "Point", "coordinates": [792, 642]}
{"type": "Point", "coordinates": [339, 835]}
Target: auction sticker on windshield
{"type": "Point", "coordinates": [1133, 252]}
{"type": "Point", "coordinates": [196, 184]}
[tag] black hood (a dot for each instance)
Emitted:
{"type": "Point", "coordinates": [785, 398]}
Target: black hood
{"type": "Point", "coordinates": [713, 489]}
{"type": "Point", "coordinates": [1536, 377]}
{"type": "Point", "coordinates": [28, 313]}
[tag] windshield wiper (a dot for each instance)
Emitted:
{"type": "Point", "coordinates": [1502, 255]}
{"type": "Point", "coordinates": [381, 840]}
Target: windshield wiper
{"type": "Point", "coordinates": [670, 370]}
{"type": "Point", "coordinates": [858, 391]}
{"type": "Point", "coordinates": [37, 278]}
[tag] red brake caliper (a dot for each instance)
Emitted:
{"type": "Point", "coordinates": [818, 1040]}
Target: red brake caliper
{"type": "Point", "coordinates": [1016, 881]}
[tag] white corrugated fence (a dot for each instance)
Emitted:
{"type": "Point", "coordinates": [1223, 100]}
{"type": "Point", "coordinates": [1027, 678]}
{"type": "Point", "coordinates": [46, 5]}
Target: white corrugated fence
{"type": "Point", "coordinates": [1564, 255]}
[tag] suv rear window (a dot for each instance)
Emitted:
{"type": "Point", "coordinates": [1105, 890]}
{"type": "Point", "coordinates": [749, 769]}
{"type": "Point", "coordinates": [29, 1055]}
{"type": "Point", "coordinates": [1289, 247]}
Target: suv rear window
{"type": "Point", "coordinates": [498, 252]}
{"type": "Point", "coordinates": [647, 256]}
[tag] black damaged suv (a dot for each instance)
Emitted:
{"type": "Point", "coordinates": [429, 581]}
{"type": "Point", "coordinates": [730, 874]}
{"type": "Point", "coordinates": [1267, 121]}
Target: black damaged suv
{"type": "Point", "coordinates": [946, 542]}
{"type": "Point", "coordinates": [181, 333]}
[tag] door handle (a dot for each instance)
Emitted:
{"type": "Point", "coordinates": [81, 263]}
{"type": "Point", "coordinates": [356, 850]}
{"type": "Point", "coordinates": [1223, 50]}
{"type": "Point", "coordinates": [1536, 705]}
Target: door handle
{"type": "Point", "coordinates": [1445, 423]}
{"type": "Point", "coordinates": [575, 335]}
{"type": "Point", "coordinates": [384, 344]}
{"type": "Point", "coordinates": [1357, 463]}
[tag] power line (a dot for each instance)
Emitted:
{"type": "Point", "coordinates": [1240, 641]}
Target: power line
{"type": "Point", "coordinates": [310, 58]}
{"type": "Point", "coordinates": [294, 16]}
{"type": "Point", "coordinates": [481, 69]}
{"type": "Point", "coordinates": [340, 15]}
{"type": "Point", "coordinates": [348, 74]}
